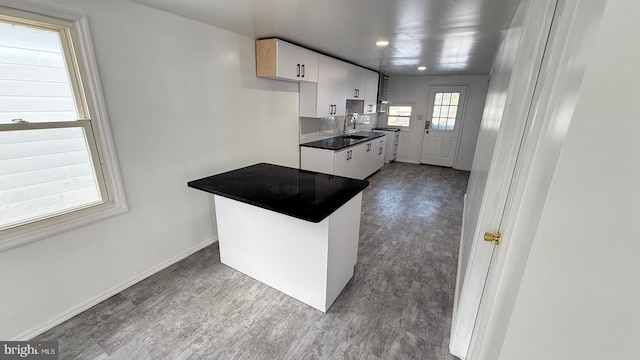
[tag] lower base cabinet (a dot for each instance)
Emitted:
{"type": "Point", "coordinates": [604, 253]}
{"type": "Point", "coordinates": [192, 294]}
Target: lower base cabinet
{"type": "Point", "coordinates": [356, 162]}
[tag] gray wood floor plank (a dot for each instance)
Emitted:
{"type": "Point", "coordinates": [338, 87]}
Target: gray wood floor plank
{"type": "Point", "coordinates": [397, 306]}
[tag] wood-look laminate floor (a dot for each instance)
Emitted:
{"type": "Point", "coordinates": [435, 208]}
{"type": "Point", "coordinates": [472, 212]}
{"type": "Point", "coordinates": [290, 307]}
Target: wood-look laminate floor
{"type": "Point", "coordinates": [397, 306]}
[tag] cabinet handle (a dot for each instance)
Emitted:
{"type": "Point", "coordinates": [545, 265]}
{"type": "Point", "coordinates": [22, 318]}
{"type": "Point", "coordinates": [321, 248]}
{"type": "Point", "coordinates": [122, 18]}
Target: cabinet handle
{"type": "Point", "coordinates": [298, 70]}
{"type": "Point", "coordinates": [302, 70]}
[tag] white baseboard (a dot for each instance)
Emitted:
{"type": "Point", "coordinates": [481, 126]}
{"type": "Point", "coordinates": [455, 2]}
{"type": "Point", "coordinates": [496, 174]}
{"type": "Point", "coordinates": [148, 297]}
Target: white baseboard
{"type": "Point", "coordinates": [31, 333]}
{"type": "Point", "coordinates": [408, 161]}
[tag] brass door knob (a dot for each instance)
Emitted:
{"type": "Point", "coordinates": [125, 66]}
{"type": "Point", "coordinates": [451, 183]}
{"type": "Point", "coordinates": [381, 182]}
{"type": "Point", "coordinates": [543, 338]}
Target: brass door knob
{"type": "Point", "coordinates": [492, 237]}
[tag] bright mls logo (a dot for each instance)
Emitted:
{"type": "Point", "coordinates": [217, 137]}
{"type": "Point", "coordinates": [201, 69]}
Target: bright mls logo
{"type": "Point", "coordinates": [29, 350]}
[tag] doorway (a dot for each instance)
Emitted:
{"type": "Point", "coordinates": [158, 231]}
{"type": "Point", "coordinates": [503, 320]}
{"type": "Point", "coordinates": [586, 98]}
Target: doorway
{"type": "Point", "coordinates": [444, 120]}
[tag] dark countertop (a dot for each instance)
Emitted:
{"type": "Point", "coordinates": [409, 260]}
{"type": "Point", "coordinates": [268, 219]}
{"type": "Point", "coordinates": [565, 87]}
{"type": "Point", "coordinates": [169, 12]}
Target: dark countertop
{"type": "Point", "coordinates": [339, 143]}
{"type": "Point", "coordinates": [299, 193]}
{"type": "Point", "coordinates": [386, 129]}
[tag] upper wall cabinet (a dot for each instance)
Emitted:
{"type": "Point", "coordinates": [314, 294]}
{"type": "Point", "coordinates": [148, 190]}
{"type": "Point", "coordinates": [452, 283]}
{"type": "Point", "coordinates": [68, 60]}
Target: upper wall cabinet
{"type": "Point", "coordinates": [356, 83]}
{"type": "Point", "coordinates": [328, 96]}
{"type": "Point", "coordinates": [371, 92]}
{"type": "Point", "coordinates": [279, 59]}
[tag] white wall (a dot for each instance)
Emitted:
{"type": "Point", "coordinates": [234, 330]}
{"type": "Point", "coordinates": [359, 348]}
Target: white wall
{"type": "Point", "coordinates": [579, 295]}
{"type": "Point", "coordinates": [184, 103]}
{"type": "Point", "coordinates": [415, 90]}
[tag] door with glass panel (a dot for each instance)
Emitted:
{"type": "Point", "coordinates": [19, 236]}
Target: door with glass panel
{"type": "Point", "coordinates": [444, 121]}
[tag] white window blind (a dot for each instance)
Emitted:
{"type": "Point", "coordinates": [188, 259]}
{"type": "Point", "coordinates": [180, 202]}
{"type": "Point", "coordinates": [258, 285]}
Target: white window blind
{"type": "Point", "coordinates": [48, 160]}
{"type": "Point", "coordinates": [399, 115]}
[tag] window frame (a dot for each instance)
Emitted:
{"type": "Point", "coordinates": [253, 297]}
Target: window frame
{"type": "Point", "coordinates": [78, 49]}
{"type": "Point", "coordinates": [402, 128]}
{"type": "Point", "coordinates": [433, 105]}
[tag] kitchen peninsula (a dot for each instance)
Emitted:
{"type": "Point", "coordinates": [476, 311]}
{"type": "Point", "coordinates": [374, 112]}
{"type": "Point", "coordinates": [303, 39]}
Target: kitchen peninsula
{"type": "Point", "coordinates": [294, 230]}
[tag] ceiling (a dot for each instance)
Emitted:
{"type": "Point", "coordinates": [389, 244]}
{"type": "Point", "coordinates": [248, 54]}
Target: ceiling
{"type": "Point", "coordinates": [449, 37]}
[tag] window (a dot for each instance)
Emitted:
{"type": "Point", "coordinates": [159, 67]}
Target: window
{"type": "Point", "coordinates": [445, 110]}
{"type": "Point", "coordinates": [399, 115]}
{"type": "Point", "coordinates": [51, 166]}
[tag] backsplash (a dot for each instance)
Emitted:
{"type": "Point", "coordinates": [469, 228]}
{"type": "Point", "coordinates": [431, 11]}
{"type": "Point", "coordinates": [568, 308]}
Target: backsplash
{"type": "Point", "coordinates": [312, 129]}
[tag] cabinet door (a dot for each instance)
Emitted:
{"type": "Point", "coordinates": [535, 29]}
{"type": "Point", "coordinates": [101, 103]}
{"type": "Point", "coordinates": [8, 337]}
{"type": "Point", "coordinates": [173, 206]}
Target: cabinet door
{"type": "Point", "coordinates": [371, 92]}
{"type": "Point", "coordinates": [380, 153]}
{"type": "Point", "coordinates": [356, 82]}
{"type": "Point", "coordinates": [342, 163]}
{"type": "Point", "coordinates": [324, 98]}
{"type": "Point", "coordinates": [340, 76]}
{"type": "Point", "coordinates": [309, 62]}
{"type": "Point", "coordinates": [363, 159]}
{"type": "Point", "coordinates": [288, 60]}
{"type": "Point", "coordinates": [277, 59]}
{"type": "Point", "coordinates": [328, 78]}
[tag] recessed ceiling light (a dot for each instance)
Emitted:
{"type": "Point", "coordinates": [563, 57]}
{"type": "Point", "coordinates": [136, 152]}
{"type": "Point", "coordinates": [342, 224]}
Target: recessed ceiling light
{"type": "Point", "coordinates": [422, 68]}
{"type": "Point", "coordinates": [382, 43]}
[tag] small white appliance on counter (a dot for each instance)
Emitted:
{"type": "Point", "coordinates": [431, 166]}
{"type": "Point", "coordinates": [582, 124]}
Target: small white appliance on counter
{"type": "Point", "coordinates": [393, 137]}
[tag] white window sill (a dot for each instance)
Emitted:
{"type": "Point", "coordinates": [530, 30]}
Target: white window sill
{"type": "Point", "coordinates": [24, 234]}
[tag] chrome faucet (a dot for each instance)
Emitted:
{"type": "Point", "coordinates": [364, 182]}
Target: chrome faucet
{"type": "Point", "coordinates": [354, 121]}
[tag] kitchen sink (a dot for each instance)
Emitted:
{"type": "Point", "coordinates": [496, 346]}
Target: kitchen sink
{"type": "Point", "coordinates": [354, 137]}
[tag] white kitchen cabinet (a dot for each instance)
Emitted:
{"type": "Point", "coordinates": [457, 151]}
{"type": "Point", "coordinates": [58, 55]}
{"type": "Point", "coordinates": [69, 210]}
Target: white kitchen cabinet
{"type": "Point", "coordinates": [371, 92]}
{"type": "Point", "coordinates": [328, 96]}
{"type": "Point", "coordinates": [378, 155]}
{"type": "Point", "coordinates": [356, 162]}
{"type": "Point", "coordinates": [372, 157]}
{"type": "Point", "coordinates": [392, 139]}
{"type": "Point", "coordinates": [344, 164]}
{"type": "Point", "coordinates": [355, 86]}
{"type": "Point", "coordinates": [279, 59]}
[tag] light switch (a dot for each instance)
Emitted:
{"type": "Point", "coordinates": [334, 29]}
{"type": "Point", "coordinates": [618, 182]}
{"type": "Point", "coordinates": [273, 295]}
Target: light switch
{"type": "Point", "coordinates": [420, 117]}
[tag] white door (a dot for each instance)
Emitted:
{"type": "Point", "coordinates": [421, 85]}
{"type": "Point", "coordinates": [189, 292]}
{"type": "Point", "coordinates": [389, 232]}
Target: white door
{"type": "Point", "coordinates": [444, 120]}
{"type": "Point", "coordinates": [511, 93]}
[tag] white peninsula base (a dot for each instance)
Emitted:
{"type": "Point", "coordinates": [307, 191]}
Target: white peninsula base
{"type": "Point", "coordinates": [311, 262]}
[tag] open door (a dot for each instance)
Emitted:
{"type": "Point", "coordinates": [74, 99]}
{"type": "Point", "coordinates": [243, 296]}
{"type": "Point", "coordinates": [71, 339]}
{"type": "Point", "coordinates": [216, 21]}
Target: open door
{"type": "Point", "coordinates": [509, 99]}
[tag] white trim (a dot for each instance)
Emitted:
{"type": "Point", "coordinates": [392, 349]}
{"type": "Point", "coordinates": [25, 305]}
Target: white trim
{"type": "Point", "coordinates": [408, 161]}
{"type": "Point", "coordinates": [563, 69]}
{"type": "Point", "coordinates": [31, 333]}
{"type": "Point", "coordinates": [411, 117]}
{"type": "Point", "coordinates": [456, 292]}
{"type": "Point", "coordinates": [522, 56]}
{"type": "Point", "coordinates": [115, 201]}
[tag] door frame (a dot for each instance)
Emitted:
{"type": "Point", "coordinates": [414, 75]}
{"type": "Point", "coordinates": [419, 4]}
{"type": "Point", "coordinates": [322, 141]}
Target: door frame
{"type": "Point", "coordinates": [527, 69]}
{"type": "Point", "coordinates": [463, 115]}
{"type": "Point", "coordinates": [562, 71]}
